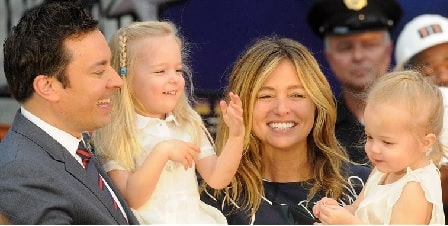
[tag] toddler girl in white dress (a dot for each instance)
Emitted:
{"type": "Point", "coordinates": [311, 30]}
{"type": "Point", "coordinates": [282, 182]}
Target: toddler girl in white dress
{"type": "Point", "coordinates": [403, 122]}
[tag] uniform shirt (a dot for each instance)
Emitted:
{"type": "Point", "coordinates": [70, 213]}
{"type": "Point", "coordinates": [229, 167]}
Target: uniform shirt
{"type": "Point", "coordinates": [350, 133]}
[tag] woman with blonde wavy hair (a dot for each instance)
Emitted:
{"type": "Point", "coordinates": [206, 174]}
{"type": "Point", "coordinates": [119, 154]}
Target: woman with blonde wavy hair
{"type": "Point", "coordinates": [156, 141]}
{"type": "Point", "coordinates": [291, 157]}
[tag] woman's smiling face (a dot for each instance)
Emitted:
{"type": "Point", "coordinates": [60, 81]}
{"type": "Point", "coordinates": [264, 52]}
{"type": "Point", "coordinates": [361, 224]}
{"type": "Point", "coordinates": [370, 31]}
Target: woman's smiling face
{"type": "Point", "coordinates": [283, 112]}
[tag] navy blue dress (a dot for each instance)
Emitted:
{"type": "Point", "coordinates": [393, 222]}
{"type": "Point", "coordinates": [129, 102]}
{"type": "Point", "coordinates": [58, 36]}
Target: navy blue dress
{"type": "Point", "coordinates": [286, 203]}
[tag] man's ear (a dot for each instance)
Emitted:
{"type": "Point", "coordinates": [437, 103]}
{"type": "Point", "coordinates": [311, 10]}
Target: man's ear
{"type": "Point", "coordinates": [45, 86]}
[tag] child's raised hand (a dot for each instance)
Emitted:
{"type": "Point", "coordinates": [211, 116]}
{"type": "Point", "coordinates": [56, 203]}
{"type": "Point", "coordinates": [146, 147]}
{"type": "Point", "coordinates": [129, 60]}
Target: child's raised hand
{"type": "Point", "coordinates": [180, 151]}
{"type": "Point", "coordinates": [232, 113]}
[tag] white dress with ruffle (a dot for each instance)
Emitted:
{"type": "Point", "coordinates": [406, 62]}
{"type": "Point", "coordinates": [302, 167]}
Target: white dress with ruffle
{"type": "Point", "coordinates": [175, 199]}
{"type": "Point", "coordinates": [376, 208]}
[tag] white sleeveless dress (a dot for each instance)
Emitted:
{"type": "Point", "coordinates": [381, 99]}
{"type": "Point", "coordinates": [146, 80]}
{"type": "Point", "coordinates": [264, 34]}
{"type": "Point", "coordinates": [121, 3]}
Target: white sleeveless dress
{"type": "Point", "coordinates": [175, 199]}
{"type": "Point", "coordinates": [376, 208]}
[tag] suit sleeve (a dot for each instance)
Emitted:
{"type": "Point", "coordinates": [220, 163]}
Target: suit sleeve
{"type": "Point", "coordinates": [31, 196]}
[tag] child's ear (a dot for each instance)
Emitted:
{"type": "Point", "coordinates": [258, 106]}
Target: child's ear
{"type": "Point", "coordinates": [428, 141]}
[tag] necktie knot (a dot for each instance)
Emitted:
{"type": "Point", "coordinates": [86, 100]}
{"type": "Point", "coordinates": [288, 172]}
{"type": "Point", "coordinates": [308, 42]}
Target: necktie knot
{"type": "Point", "coordinates": [83, 153]}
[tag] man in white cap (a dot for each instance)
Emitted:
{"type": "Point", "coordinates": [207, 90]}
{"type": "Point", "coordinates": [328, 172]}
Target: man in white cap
{"type": "Point", "coordinates": [423, 46]}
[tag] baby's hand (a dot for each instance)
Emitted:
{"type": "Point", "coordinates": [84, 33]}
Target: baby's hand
{"type": "Point", "coordinates": [233, 115]}
{"type": "Point", "coordinates": [329, 212]}
{"type": "Point", "coordinates": [322, 203]}
{"type": "Point", "coordinates": [180, 151]}
{"type": "Point", "coordinates": [329, 201]}
{"type": "Point", "coordinates": [316, 210]}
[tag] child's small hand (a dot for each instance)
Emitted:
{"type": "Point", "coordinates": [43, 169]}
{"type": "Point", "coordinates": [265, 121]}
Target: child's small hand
{"type": "Point", "coordinates": [316, 209]}
{"type": "Point", "coordinates": [329, 212]}
{"type": "Point", "coordinates": [328, 201]}
{"type": "Point", "coordinates": [233, 115]}
{"type": "Point", "coordinates": [335, 214]}
{"type": "Point", "coordinates": [180, 151]}
{"type": "Point", "coordinates": [321, 204]}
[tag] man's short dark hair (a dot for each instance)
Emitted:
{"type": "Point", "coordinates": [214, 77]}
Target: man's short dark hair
{"type": "Point", "coordinates": [35, 45]}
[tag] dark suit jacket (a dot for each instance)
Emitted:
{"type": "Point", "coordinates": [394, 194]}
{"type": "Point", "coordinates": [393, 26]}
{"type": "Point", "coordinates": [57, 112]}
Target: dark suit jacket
{"type": "Point", "coordinates": [42, 183]}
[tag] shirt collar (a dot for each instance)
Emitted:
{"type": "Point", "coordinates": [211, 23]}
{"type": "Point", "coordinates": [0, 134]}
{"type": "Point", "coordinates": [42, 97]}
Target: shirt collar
{"type": "Point", "coordinates": [143, 121]}
{"type": "Point", "coordinates": [65, 139]}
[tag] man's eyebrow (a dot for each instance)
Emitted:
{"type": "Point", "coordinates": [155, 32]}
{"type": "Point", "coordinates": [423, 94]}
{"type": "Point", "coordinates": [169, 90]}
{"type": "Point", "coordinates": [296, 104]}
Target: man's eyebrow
{"type": "Point", "coordinates": [99, 63]}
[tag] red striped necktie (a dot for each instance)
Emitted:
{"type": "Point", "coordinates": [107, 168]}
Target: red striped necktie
{"type": "Point", "coordinates": [92, 171]}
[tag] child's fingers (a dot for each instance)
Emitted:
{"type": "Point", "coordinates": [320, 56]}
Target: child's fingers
{"type": "Point", "coordinates": [223, 106]}
{"type": "Point", "coordinates": [187, 162]}
{"type": "Point", "coordinates": [235, 105]}
{"type": "Point", "coordinates": [328, 201]}
{"type": "Point", "coordinates": [194, 155]}
{"type": "Point", "coordinates": [194, 148]}
{"type": "Point", "coordinates": [316, 210]}
{"type": "Point", "coordinates": [235, 99]}
{"type": "Point", "coordinates": [190, 161]}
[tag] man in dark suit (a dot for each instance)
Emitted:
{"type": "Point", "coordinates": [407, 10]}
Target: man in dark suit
{"type": "Point", "coordinates": [57, 65]}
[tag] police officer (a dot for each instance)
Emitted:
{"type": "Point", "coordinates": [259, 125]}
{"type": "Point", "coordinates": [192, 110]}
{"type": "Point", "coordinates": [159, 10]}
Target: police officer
{"type": "Point", "coordinates": [358, 48]}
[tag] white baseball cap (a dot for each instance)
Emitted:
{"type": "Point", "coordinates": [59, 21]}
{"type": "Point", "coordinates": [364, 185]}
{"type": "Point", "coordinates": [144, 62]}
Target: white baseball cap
{"type": "Point", "coordinates": [420, 33]}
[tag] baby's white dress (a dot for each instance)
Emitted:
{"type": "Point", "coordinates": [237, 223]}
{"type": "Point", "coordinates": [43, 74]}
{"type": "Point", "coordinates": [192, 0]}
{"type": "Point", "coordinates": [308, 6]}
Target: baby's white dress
{"type": "Point", "coordinates": [175, 199]}
{"type": "Point", "coordinates": [376, 208]}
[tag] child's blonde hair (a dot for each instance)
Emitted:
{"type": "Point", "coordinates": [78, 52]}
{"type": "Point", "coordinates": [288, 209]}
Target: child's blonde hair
{"type": "Point", "coordinates": [117, 141]}
{"type": "Point", "coordinates": [408, 88]}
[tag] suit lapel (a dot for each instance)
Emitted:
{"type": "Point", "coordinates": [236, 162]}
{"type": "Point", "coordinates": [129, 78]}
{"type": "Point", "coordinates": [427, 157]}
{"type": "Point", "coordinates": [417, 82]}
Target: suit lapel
{"type": "Point", "coordinates": [76, 170]}
{"type": "Point", "coordinates": [59, 153]}
{"type": "Point", "coordinates": [116, 213]}
{"type": "Point", "coordinates": [127, 210]}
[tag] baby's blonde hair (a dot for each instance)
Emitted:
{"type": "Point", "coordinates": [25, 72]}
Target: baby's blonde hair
{"type": "Point", "coordinates": [408, 88]}
{"type": "Point", "coordinates": [118, 140]}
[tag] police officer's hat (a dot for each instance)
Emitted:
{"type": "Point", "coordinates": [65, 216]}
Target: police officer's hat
{"type": "Point", "coordinates": [351, 16]}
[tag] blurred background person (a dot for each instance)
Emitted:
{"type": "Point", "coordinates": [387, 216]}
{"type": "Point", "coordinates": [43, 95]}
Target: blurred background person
{"type": "Point", "coordinates": [358, 47]}
{"type": "Point", "coordinates": [423, 45]}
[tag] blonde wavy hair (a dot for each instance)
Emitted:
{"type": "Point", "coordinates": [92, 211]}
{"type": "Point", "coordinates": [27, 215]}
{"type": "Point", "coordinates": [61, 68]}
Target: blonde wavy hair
{"type": "Point", "coordinates": [327, 156]}
{"type": "Point", "coordinates": [118, 140]}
